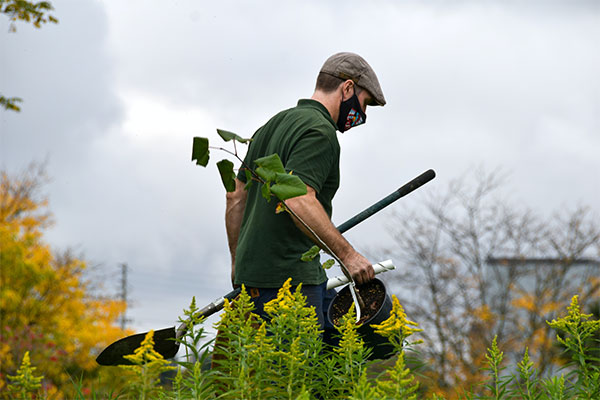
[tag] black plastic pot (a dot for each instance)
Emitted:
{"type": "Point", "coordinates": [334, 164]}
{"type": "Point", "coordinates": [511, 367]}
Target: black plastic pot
{"type": "Point", "coordinates": [382, 348]}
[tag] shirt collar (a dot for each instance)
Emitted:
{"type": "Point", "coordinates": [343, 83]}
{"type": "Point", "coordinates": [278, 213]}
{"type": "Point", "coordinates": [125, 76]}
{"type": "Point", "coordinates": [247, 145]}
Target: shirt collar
{"type": "Point", "coordinates": [314, 104]}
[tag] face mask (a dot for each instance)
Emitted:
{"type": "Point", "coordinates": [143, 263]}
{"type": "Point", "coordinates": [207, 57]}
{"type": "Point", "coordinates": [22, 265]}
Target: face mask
{"type": "Point", "coordinates": [351, 114]}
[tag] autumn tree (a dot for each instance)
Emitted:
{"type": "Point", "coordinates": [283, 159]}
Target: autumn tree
{"type": "Point", "coordinates": [26, 11]}
{"type": "Point", "coordinates": [477, 265]}
{"type": "Point", "coordinates": [45, 307]}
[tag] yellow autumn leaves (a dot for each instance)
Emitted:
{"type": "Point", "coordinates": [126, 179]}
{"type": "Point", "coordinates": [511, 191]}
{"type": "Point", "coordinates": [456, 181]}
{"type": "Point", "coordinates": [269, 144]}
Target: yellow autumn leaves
{"type": "Point", "coordinates": [45, 307]}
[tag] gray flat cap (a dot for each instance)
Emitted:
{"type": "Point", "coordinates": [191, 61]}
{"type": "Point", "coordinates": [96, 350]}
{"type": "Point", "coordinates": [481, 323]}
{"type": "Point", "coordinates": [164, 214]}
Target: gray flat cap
{"type": "Point", "coordinates": [352, 66]}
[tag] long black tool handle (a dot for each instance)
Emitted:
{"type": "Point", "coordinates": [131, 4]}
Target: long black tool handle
{"type": "Point", "coordinates": [419, 181]}
{"type": "Point", "coordinates": [380, 205]}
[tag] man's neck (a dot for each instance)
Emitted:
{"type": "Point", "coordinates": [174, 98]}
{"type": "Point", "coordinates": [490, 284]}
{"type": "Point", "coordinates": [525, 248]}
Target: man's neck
{"type": "Point", "coordinates": [331, 102]}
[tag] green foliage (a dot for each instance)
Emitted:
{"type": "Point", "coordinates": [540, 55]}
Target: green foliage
{"type": "Point", "coordinates": [555, 388]}
{"type": "Point", "coordinates": [526, 386]}
{"type": "Point", "coordinates": [497, 383]}
{"type": "Point", "coordinates": [311, 253]}
{"type": "Point", "coordinates": [287, 186]}
{"type": "Point", "coordinates": [398, 383]}
{"type": "Point", "coordinates": [10, 103]}
{"type": "Point", "coordinates": [249, 180]}
{"type": "Point", "coordinates": [227, 175]}
{"type": "Point", "coordinates": [397, 328]}
{"type": "Point", "coordinates": [351, 349]}
{"type": "Point", "coordinates": [200, 151]}
{"type": "Point", "coordinates": [363, 390]}
{"type": "Point", "coordinates": [147, 367]}
{"type": "Point", "coordinates": [227, 136]}
{"type": "Point", "coordinates": [583, 371]}
{"type": "Point", "coordinates": [576, 328]}
{"type": "Point", "coordinates": [270, 171]}
{"type": "Point", "coordinates": [27, 11]}
{"type": "Point", "coordinates": [284, 358]}
{"type": "Point", "coordinates": [269, 167]}
{"type": "Point", "coordinates": [266, 192]}
{"type": "Point", "coordinates": [194, 383]}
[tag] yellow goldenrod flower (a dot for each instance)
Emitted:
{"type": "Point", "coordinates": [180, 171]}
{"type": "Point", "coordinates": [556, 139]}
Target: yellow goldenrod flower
{"type": "Point", "coordinates": [350, 341]}
{"type": "Point", "coordinates": [397, 324]}
{"type": "Point", "coordinates": [574, 323]}
{"type": "Point", "coordinates": [284, 299]}
{"type": "Point", "coordinates": [25, 383]}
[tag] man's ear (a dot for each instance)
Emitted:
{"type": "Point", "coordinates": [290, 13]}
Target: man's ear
{"type": "Point", "coordinates": [347, 89]}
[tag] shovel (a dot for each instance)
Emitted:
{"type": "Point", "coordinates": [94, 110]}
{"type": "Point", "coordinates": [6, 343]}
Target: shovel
{"type": "Point", "coordinates": [165, 339]}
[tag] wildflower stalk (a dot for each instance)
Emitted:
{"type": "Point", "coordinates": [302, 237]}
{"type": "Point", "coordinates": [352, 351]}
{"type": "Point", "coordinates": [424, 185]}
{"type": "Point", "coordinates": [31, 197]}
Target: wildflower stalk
{"type": "Point", "coordinates": [576, 329]}
{"type": "Point", "coordinates": [351, 348]}
{"type": "Point", "coordinates": [25, 384]}
{"type": "Point", "coordinates": [498, 384]}
{"type": "Point", "coordinates": [397, 383]}
{"type": "Point", "coordinates": [528, 389]}
{"type": "Point", "coordinates": [555, 388]}
{"type": "Point", "coordinates": [296, 340]}
{"type": "Point", "coordinates": [148, 364]}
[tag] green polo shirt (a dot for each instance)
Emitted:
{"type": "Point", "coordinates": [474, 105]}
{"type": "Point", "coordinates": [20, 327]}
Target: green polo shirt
{"type": "Point", "coordinates": [270, 245]}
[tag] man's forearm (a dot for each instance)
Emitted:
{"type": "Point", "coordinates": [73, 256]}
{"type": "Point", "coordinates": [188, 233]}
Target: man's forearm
{"type": "Point", "coordinates": [309, 209]}
{"type": "Point", "coordinates": [234, 213]}
{"type": "Point", "coordinates": [313, 214]}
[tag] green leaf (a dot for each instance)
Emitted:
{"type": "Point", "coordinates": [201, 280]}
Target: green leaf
{"type": "Point", "coordinates": [227, 136]}
{"type": "Point", "coordinates": [288, 186]}
{"type": "Point", "coordinates": [310, 254]}
{"type": "Point", "coordinates": [266, 191]}
{"type": "Point", "coordinates": [249, 180]}
{"type": "Point", "coordinates": [227, 174]}
{"type": "Point", "coordinates": [329, 263]}
{"type": "Point", "coordinates": [200, 151]}
{"type": "Point", "coordinates": [269, 167]}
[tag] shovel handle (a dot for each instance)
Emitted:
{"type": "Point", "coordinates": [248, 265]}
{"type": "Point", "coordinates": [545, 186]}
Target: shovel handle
{"type": "Point", "coordinates": [209, 310]}
{"type": "Point", "coordinates": [386, 201]}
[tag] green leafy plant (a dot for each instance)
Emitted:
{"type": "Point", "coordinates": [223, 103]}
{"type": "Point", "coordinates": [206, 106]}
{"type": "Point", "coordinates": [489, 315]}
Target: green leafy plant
{"type": "Point", "coordinates": [270, 171]}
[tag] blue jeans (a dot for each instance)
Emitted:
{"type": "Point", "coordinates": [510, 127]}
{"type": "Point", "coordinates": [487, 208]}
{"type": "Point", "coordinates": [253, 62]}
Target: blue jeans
{"type": "Point", "coordinates": [316, 295]}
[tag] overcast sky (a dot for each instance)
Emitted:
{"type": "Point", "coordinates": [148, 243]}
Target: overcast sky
{"type": "Point", "coordinates": [114, 94]}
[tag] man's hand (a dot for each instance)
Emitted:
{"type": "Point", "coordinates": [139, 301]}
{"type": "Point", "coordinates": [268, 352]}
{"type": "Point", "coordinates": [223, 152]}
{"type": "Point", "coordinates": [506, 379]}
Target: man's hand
{"type": "Point", "coordinates": [359, 267]}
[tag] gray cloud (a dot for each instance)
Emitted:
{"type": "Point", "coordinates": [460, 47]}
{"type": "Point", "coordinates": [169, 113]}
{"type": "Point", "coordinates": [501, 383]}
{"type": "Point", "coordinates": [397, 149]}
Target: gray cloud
{"type": "Point", "coordinates": [116, 91]}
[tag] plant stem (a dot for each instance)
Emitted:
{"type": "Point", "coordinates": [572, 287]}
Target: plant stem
{"type": "Point", "coordinates": [324, 246]}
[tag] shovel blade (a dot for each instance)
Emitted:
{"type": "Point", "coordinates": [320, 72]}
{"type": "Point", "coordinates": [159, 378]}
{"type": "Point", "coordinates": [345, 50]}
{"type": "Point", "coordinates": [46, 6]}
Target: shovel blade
{"type": "Point", "coordinates": [164, 344]}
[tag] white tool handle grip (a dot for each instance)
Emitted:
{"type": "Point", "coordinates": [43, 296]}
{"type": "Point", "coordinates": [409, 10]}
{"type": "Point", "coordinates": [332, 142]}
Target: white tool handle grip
{"type": "Point", "coordinates": [342, 280]}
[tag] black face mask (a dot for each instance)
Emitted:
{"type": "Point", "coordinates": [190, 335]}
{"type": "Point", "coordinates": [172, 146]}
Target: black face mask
{"type": "Point", "coordinates": [351, 114]}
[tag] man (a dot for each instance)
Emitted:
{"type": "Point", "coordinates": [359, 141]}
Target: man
{"type": "Point", "coordinates": [266, 247]}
